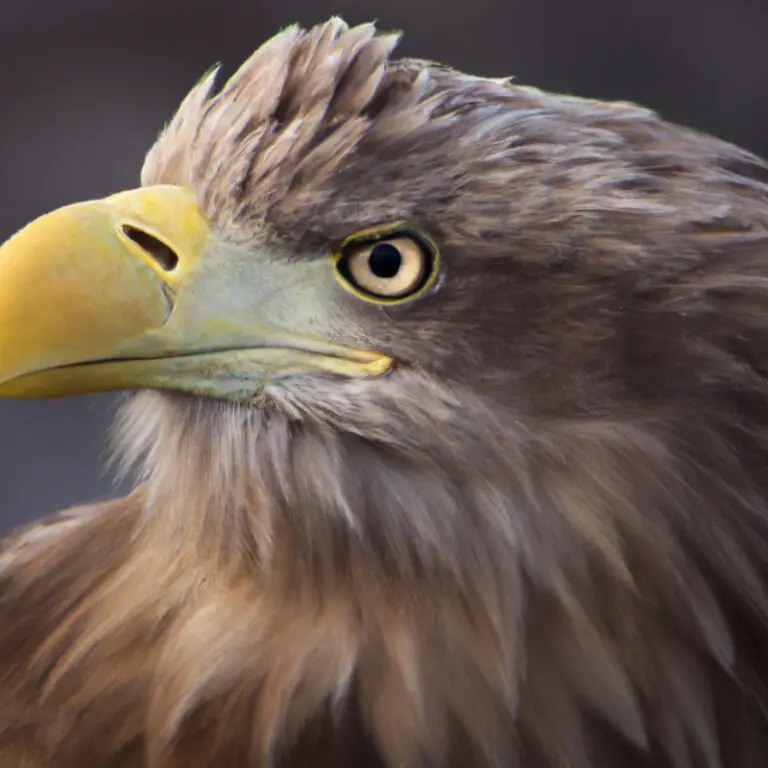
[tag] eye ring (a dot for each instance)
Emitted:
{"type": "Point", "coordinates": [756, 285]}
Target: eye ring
{"type": "Point", "coordinates": [391, 265]}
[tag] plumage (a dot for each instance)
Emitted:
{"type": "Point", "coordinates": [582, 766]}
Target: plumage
{"type": "Point", "coordinates": [538, 540]}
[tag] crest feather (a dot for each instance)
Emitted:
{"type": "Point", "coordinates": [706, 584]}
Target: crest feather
{"type": "Point", "coordinates": [291, 114]}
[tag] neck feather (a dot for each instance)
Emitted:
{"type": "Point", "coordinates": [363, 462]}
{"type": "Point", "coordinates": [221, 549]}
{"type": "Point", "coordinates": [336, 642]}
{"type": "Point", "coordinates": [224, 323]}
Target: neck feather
{"type": "Point", "coordinates": [453, 576]}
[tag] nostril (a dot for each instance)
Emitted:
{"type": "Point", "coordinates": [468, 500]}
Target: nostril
{"type": "Point", "coordinates": [165, 256]}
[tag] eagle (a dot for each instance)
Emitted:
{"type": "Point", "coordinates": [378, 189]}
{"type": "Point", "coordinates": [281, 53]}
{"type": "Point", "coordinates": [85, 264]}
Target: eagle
{"type": "Point", "coordinates": [446, 400]}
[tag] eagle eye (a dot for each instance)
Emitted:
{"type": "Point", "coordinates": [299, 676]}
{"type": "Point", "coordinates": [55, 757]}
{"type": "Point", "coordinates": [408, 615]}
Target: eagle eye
{"type": "Point", "coordinates": [387, 266]}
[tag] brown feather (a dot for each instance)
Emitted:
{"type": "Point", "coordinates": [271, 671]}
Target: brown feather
{"type": "Point", "coordinates": [541, 542]}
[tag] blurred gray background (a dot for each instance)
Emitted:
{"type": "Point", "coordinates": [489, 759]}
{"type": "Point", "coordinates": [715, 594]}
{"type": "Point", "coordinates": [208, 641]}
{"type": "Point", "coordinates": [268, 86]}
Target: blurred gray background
{"type": "Point", "coordinates": [85, 86]}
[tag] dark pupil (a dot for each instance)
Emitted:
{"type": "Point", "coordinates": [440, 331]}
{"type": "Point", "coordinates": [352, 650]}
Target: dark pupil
{"type": "Point", "coordinates": [385, 260]}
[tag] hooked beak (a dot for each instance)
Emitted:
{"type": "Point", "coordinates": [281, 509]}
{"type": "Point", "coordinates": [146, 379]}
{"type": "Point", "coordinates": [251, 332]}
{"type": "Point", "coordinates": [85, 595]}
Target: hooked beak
{"type": "Point", "coordinates": [122, 293]}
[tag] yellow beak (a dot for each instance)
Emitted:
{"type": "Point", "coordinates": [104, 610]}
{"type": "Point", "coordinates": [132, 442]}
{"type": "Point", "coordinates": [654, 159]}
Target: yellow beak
{"type": "Point", "coordinates": [111, 294]}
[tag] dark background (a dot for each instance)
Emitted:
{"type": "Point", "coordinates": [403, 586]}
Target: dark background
{"type": "Point", "coordinates": [85, 86]}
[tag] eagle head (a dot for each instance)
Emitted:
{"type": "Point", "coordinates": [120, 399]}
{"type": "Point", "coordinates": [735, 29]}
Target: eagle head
{"type": "Point", "coordinates": [451, 406]}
